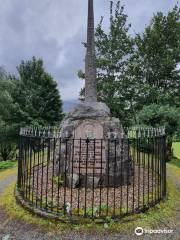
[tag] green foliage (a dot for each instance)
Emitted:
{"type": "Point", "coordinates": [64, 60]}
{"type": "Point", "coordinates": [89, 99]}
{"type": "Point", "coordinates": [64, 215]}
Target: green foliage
{"type": "Point", "coordinates": [109, 221]}
{"type": "Point", "coordinates": [162, 115]}
{"type": "Point", "coordinates": [32, 99]}
{"type": "Point", "coordinates": [103, 207]}
{"type": "Point", "coordinates": [177, 136]}
{"type": "Point", "coordinates": [6, 102]}
{"type": "Point", "coordinates": [146, 145]}
{"type": "Point", "coordinates": [36, 97]}
{"type": "Point", "coordinates": [58, 180]}
{"type": "Point", "coordinates": [51, 204]}
{"type": "Point", "coordinates": [2, 73]}
{"type": "Point", "coordinates": [7, 164]}
{"type": "Point", "coordinates": [7, 151]}
{"type": "Point", "coordinates": [155, 61]}
{"type": "Point", "coordinates": [132, 73]}
{"type": "Point", "coordinates": [113, 49]}
{"type": "Point", "coordinates": [8, 146]}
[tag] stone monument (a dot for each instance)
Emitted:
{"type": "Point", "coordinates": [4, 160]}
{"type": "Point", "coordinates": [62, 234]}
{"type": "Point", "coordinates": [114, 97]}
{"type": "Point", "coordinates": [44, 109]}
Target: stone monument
{"type": "Point", "coordinates": [91, 122]}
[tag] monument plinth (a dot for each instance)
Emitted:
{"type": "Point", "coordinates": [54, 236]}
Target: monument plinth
{"type": "Point", "coordinates": [97, 156]}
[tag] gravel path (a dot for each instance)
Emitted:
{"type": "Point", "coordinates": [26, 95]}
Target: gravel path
{"type": "Point", "coordinates": [29, 232]}
{"type": "Point", "coordinates": [11, 229]}
{"type": "Point", "coordinates": [7, 181]}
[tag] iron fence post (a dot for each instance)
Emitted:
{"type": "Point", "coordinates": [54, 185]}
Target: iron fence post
{"type": "Point", "coordinates": [19, 176]}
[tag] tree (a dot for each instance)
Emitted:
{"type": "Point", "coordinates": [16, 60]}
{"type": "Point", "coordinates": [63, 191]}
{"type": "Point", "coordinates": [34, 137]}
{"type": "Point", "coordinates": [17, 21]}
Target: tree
{"type": "Point", "coordinates": [3, 74]}
{"type": "Point", "coordinates": [113, 50]}
{"type": "Point", "coordinates": [35, 96]}
{"type": "Point", "coordinates": [31, 99]}
{"type": "Point", "coordinates": [155, 64]}
{"type": "Point", "coordinates": [6, 103]}
{"type": "Point", "coordinates": [131, 74]}
{"type": "Point", "coordinates": [7, 141]}
{"type": "Point", "coordinates": [8, 145]}
{"type": "Point", "coordinates": [162, 115]}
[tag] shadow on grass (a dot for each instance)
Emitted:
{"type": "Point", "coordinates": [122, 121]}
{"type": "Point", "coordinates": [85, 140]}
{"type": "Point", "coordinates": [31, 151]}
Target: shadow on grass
{"type": "Point", "coordinates": [175, 161]}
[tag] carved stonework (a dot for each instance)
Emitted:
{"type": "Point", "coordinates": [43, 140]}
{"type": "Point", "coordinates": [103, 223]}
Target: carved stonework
{"type": "Point", "coordinates": [93, 131]}
{"type": "Point", "coordinates": [97, 147]}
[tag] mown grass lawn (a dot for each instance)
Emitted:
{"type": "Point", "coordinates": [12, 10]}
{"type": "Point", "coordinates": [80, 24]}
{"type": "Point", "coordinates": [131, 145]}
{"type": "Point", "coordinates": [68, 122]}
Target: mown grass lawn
{"type": "Point", "coordinates": [176, 151]}
{"type": "Point", "coordinates": [173, 167]}
{"type": "Point", "coordinates": [7, 164]}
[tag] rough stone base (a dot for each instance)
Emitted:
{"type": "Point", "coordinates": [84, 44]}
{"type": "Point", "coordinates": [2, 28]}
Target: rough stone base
{"type": "Point", "coordinates": [105, 156]}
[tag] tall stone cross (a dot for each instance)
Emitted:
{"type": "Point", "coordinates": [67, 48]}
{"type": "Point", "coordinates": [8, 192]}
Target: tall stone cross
{"type": "Point", "coordinates": [90, 68]}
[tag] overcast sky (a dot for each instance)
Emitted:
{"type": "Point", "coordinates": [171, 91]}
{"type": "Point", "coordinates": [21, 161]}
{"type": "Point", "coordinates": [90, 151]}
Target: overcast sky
{"type": "Point", "coordinates": [54, 29]}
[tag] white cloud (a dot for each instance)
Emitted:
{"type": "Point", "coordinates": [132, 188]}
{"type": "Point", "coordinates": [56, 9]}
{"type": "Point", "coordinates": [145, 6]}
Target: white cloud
{"type": "Point", "coordinates": [61, 59]}
{"type": "Point", "coordinates": [71, 91]}
{"type": "Point", "coordinates": [54, 30]}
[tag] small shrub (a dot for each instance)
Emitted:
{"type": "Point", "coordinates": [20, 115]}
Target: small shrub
{"type": "Point", "coordinates": [7, 151]}
{"type": "Point", "coordinates": [58, 180]}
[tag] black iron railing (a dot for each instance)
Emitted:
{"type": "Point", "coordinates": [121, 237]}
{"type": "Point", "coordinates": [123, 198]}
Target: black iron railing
{"type": "Point", "coordinates": [92, 178]}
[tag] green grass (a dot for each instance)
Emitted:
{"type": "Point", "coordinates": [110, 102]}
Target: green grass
{"type": "Point", "coordinates": [13, 210]}
{"type": "Point", "coordinates": [7, 164]}
{"type": "Point", "coordinates": [175, 161]}
{"type": "Point", "coordinates": [173, 166]}
{"type": "Point", "coordinates": [176, 149]}
{"type": "Point", "coordinates": [176, 152]}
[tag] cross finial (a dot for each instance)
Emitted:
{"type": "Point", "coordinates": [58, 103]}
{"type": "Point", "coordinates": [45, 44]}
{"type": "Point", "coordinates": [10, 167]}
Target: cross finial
{"type": "Point", "coordinates": [90, 69]}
